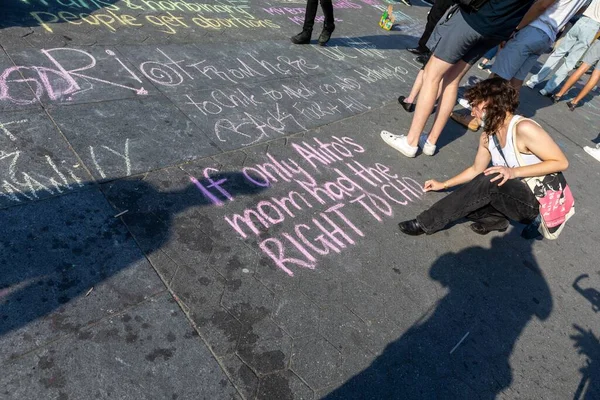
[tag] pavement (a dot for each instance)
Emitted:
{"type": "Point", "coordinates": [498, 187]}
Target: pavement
{"type": "Point", "coordinates": [194, 208]}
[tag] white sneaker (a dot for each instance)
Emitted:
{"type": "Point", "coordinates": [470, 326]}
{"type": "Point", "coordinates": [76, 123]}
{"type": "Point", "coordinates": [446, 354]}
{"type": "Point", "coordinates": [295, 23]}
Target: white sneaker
{"type": "Point", "coordinates": [530, 84]}
{"type": "Point", "coordinates": [428, 148]}
{"type": "Point", "coordinates": [464, 103]}
{"type": "Point", "coordinates": [544, 92]}
{"type": "Point", "coordinates": [399, 143]}
{"type": "Point", "coordinates": [594, 152]}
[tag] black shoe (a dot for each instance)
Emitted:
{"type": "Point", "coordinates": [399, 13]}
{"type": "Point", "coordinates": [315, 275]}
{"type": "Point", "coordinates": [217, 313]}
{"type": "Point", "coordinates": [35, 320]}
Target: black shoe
{"type": "Point", "coordinates": [302, 38]}
{"type": "Point", "coordinates": [423, 59]}
{"type": "Point", "coordinates": [481, 229]}
{"type": "Point", "coordinates": [572, 106]}
{"type": "Point", "coordinates": [411, 227]}
{"type": "Point", "coordinates": [418, 51]}
{"type": "Point", "coordinates": [408, 107]}
{"type": "Point", "coordinates": [407, 2]}
{"type": "Point", "coordinates": [325, 35]}
{"type": "Point", "coordinates": [555, 98]}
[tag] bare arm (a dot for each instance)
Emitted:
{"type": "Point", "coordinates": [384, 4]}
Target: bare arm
{"type": "Point", "coordinates": [482, 160]}
{"type": "Point", "coordinates": [533, 138]}
{"type": "Point", "coordinates": [535, 11]}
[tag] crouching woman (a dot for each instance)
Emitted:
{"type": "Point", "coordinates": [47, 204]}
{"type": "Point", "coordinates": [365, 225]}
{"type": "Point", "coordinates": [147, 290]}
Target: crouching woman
{"type": "Point", "coordinates": [491, 196]}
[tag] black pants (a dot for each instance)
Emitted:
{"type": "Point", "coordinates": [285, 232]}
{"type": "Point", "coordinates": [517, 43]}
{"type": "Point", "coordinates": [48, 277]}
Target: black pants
{"type": "Point", "coordinates": [311, 13]}
{"type": "Point", "coordinates": [436, 12]}
{"type": "Point", "coordinates": [485, 202]}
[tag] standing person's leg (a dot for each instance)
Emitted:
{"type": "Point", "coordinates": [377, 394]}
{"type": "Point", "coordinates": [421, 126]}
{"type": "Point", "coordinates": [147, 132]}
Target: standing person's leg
{"type": "Point", "coordinates": [586, 30]}
{"type": "Point", "coordinates": [514, 200]}
{"type": "Point", "coordinates": [591, 83]}
{"type": "Point", "coordinates": [309, 21]}
{"type": "Point", "coordinates": [573, 79]}
{"type": "Point", "coordinates": [408, 103]}
{"type": "Point", "coordinates": [328, 25]}
{"type": "Point", "coordinates": [448, 98]}
{"type": "Point", "coordinates": [436, 13]}
{"type": "Point", "coordinates": [327, 7]}
{"type": "Point", "coordinates": [591, 57]}
{"type": "Point", "coordinates": [435, 71]}
{"type": "Point", "coordinates": [310, 14]}
{"type": "Point", "coordinates": [556, 56]}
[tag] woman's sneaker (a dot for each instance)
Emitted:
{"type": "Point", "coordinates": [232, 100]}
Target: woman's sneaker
{"type": "Point", "coordinates": [428, 148]}
{"type": "Point", "coordinates": [400, 143]}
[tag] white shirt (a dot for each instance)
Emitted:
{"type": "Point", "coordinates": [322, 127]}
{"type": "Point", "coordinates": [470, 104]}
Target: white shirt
{"type": "Point", "coordinates": [593, 11]}
{"type": "Point", "coordinates": [555, 17]}
{"type": "Point", "coordinates": [509, 150]}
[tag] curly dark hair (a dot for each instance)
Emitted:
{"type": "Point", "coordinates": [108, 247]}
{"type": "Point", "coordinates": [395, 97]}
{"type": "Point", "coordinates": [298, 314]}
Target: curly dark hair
{"type": "Point", "coordinates": [502, 99]}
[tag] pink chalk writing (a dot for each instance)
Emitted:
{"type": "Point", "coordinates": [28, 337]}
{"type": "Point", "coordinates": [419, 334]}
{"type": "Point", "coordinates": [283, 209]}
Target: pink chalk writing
{"type": "Point", "coordinates": [328, 183]}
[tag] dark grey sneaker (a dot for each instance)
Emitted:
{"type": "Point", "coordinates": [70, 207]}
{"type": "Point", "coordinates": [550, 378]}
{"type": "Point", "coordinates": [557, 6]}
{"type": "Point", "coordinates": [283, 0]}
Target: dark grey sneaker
{"type": "Point", "coordinates": [325, 36]}
{"type": "Point", "coordinates": [302, 38]}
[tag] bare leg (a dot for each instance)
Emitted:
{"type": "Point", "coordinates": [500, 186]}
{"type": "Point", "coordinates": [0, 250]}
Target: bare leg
{"type": "Point", "coordinates": [432, 76]}
{"type": "Point", "coordinates": [416, 88]}
{"type": "Point", "coordinates": [448, 99]}
{"type": "Point", "coordinates": [573, 79]}
{"type": "Point", "coordinates": [593, 81]}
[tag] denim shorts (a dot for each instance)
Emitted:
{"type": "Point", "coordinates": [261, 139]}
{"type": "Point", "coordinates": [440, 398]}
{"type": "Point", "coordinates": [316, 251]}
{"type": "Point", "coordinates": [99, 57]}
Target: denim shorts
{"type": "Point", "coordinates": [453, 40]}
{"type": "Point", "coordinates": [593, 54]}
{"type": "Point", "coordinates": [519, 55]}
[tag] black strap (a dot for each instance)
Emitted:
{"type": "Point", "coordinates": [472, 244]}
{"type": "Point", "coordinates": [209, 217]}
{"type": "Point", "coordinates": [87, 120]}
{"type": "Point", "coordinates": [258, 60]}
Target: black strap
{"type": "Point", "coordinates": [497, 144]}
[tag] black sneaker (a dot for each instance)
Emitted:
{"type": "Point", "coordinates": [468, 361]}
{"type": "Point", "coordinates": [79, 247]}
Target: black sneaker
{"type": "Point", "coordinates": [302, 38]}
{"type": "Point", "coordinates": [325, 36]}
{"type": "Point", "coordinates": [423, 59]}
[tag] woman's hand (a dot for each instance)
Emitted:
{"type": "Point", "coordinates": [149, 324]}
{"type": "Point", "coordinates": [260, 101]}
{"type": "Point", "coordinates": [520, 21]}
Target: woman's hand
{"type": "Point", "coordinates": [504, 174]}
{"type": "Point", "coordinates": [434, 185]}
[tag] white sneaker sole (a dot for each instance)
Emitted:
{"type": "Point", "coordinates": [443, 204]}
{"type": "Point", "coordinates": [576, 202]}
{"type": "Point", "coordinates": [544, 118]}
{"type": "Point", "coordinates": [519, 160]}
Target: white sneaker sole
{"type": "Point", "coordinates": [392, 140]}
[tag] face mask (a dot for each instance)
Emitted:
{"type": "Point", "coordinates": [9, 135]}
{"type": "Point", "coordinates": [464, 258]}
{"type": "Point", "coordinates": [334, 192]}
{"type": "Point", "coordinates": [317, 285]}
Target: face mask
{"type": "Point", "coordinates": [483, 116]}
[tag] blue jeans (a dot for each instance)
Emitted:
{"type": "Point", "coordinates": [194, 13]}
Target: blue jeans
{"type": "Point", "coordinates": [575, 42]}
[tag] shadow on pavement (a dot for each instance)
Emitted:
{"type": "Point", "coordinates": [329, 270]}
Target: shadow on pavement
{"type": "Point", "coordinates": [30, 13]}
{"type": "Point", "coordinates": [462, 349]}
{"type": "Point", "coordinates": [55, 250]}
{"type": "Point", "coordinates": [588, 345]}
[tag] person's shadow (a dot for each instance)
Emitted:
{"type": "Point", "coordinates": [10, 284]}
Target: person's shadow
{"type": "Point", "coordinates": [462, 349]}
{"type": "Point", "coordinates": [588, 345]}
{"type": "Point", "coordinates": [30, 13]}
{"type": "Point", "coordinates": [59, 257]}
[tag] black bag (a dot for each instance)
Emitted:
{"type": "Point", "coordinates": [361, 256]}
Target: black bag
{"type": "Point", "coordinates": [471, 5]}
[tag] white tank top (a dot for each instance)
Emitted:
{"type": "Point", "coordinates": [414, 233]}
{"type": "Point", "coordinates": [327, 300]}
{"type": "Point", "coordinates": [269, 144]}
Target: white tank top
{"type": "Point", "coordinates": [509, 150]}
